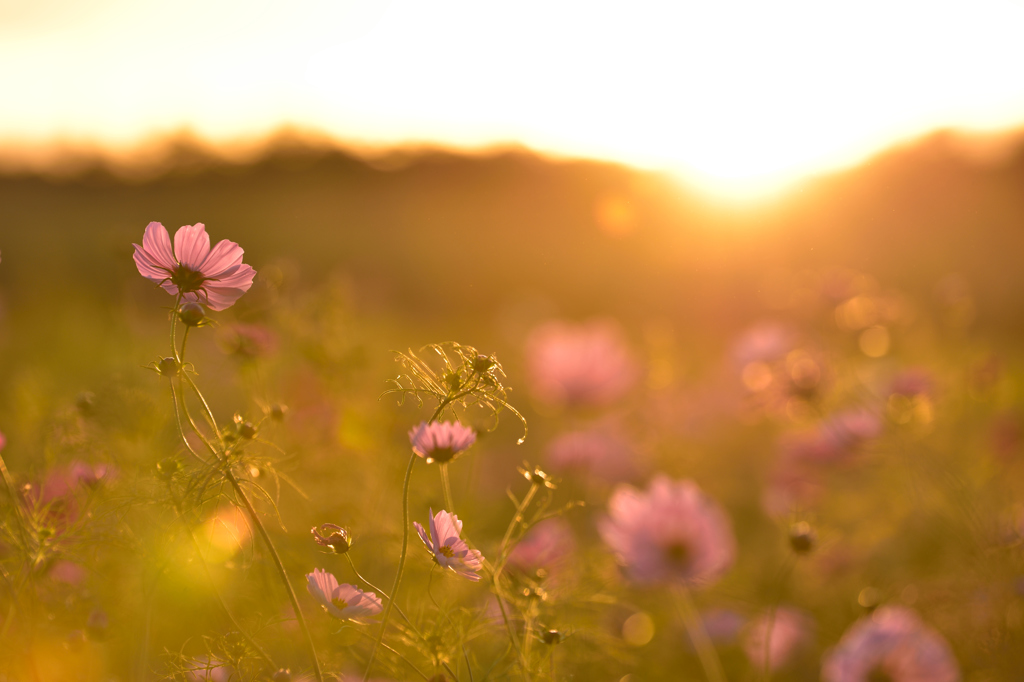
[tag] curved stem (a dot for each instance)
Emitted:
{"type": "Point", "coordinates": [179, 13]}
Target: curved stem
{"type": "Point", "coordinates": [280, 569]}
{"type": "Point", "coordinates": [401, 565]}
{"type": "Point", "coordinates": [398, 608]}
{"type": "Point", "coordinates": [213, 585]}
{"type": "Point", "coordinates": [405, 547]}
{"type": "Point", "coordinates": [699, 636]}
{"type": "Point", "coordinates": [397, 653]}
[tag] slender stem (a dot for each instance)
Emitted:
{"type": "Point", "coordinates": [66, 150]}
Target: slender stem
{"type": "Point", "coordinates": [397, 653]}
{"type": "Point", "coordinates": [465, 654]}
{"type": "Point", "coordinates": [280, 569]}
{"type": "Point", "coordinates": [446, 488]}
{"type": "Point", "coordinates": [699, 636]}
{"type": "Point", "coordinates": [398, 608]}
{"type": "Point", "coordinates": [401, 565]}
{"type": "Point", "coordinates": [213, 585]}
{"type": "Point", "coordinates": [405, 546]}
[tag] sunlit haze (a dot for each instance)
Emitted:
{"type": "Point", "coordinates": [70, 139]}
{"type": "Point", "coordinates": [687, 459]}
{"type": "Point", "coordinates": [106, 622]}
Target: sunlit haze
{"type": "Point", "coordinates": [736, 97]}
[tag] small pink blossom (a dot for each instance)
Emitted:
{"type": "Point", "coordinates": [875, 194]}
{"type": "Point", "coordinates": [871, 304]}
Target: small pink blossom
{"type": "Point", "coordinates": [545, 545]}
{"type": "Point", "coordinates": [448, 549]}
{"type": "Point", "coordinates": [586, 364]}
{"type": "Point", "coordinates": [440, 441]}
{"type": "Point", "coordinates": [790, 630]}
{"type": "Point", "coordinates": [595, 451]}
{"type": "Point", "coordinates": [215, 277]}
{"type": "Point", "coordinates": [672, 532]}
{"type": "Point", "coordinates": [344, 601]}
{"type": "Point", "coordinates": [891, 644]}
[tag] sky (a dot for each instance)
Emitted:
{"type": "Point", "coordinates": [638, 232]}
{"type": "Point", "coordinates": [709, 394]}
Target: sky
{"type": "Point", "coordinates": [733, 96]}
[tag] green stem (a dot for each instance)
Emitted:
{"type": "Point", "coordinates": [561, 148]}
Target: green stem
{"type": "Point", "coordinates": [699, 636]}
{"type": "Point", "coordinates": [280, 569]}
{"type": "Point", "coordinates": [405, 548]}
{"type": "Point", "coordinates": [213, 585]}
{"type": "Point", "coordinates": [401, 566]}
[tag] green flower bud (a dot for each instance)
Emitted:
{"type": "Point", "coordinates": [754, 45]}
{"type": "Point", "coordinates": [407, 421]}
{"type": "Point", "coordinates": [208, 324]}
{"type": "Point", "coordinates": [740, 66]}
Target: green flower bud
{"type": "Point", "coordinates": [191, 313]}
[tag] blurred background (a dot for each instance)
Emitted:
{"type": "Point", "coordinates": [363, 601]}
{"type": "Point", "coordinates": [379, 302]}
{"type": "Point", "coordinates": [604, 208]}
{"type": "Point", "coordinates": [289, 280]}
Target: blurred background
{"type": "Point", "coordinates": [769, 214]}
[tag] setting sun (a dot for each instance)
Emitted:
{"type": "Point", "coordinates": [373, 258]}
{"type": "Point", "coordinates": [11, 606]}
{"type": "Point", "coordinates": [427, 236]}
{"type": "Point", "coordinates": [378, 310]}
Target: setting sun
{"type": "Point", "coordinates": [737, 97]}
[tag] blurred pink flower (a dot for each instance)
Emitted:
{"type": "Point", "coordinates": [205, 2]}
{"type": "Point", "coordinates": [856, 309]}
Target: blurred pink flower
{"type": "Point", "coordinates": [62, 482]}
{"type": "Point", "coordinates": [790, 630]}
{"type": "Point", "coordinates": [215, 277]}
{"type": "Point", "coordinates": [448, 549]}
{"type": "Point", "coordinates": [891, 644]}
{"type": "Point", "coordinates": [544, 546]}
{"type": "Point", "coordinates": [585, 364]}
{"type": "Point", "coordinates": [911, 382]}
{"type": "Point", "coordinates": [248, 341]}
{"type": "Point", "coordinates": [595, 451]}
{"type": "Point", "coordinates": [765, 342]}
{"type": "Point", "coordinates": [343, 601]}
{"type": "Point", "coordinates": [835, 439]}
{"type": "Point", "coordinates": [672, 532]}
{"type": "Point", "coordinates": [440, 441]}
{"type": "Point", "coordinates": [3, 440]}
{"type": "Point", "coordinates": [722, 625]}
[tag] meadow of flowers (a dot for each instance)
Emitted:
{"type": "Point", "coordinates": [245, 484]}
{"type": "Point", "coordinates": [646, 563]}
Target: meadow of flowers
{"type": "Point", "coordinates": [245, 478]}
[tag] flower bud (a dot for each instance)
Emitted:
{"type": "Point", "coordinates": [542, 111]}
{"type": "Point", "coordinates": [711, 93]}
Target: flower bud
{"type": "Point", "coordinates": [86, 403]}
{"type": "Point", "coordinates": [278, 411]}
{"type": "Point", "coordinates": [551, 637]}
{"type": "Point", "coordinates": [97, 625]}
{"type": "Point", "coordinates": [802, 537]}
{"type": "Point", "coordinates": [168, 367]}
{"type": "Point", "coordinates": [247, 430]}
{"type": "Point", "coordinates": [191, 314]}
{"type": "Point", "coordinates": [333, 537]}
{"type": "Point", "coordinates": [166, 468]}
{"type": "Point", "coordinates": [483, 364]}
{"type": "Point", "coordinates": [282, 675]}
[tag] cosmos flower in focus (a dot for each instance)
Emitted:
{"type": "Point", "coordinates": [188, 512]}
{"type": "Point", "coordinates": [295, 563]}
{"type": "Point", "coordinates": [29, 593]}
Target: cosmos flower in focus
{"type": "Point", "coordinates": [672, 532]}
{"type": "Point", "coordinates": [891, 644]}
{"type": "Point", "coordinates": [448, 549]}
{"type": "Point", "coordinates": [215, 277]}
{"type": "Point", "coordinates": [344, 601]}
{"type": "Point", "coordinates": [790, 630]}
{"type": "Point", "coordinates": [586, 364]}
{"type": "Point", "coordinates": [440, 441]}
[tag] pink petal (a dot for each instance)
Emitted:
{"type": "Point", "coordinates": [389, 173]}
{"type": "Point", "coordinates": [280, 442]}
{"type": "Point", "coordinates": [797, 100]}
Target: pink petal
{"type": "Point", "coordinates": [148, 266]}
{"type": "Point", "coordinates": [220, 298]}
{"type": "Point", "coordinates": [448, 527]}
{"type": "Point", "coordinates": [226, 254]}
{"type": "Point", "coordinates": [423, 535]}
{"type": "Point", "coordinates": [158, 245]}
{"type": "Point", "coordinates": [192, 245]}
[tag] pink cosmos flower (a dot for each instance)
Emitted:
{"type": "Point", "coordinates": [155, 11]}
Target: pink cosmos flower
{"type": "Point", "coordinates": [599, 452]}
{"type": "Point", "coordinates": [586, 364]}
{"type": "Point", "coordinates": [790, 630]}
{"type": "Point", "coordinates": [215, 277]}
{"type": "Point", "coordinates": [891, 644]}
{"type": "Point", "coordinates": [440, 441]}
{"type": "Point", "coordinates": [449, 550]}
{"type": "Point", "coordinates": [545, 545]}
{"type": "Point", "coordinates": [343, 601]}
{"type": "Point", "coordinates": [672, 532]}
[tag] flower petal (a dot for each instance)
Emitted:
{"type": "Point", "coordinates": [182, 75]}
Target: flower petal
{"type": "Point", "coordinates": [192, 245]}
{"type": "Point", "coordinates": [225, 255]}
{"type": "Point", "coordinates": [157, 245]}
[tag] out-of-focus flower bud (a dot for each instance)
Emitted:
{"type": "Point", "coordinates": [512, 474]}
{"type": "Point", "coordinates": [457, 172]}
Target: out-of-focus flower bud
{"type": "Point", "coordinates": [869, 598]}
{"type": "Point", "coordinates": [168, 367]}
{"type": "Point", "coordinates": [333, 537]}
{"type": "Point", "coordinates": [483, 364]}
{"type": "Point", "coordinates": [551, 637]}
{"type": "Point", "coordinates": [86, 403]}
{"type": "Point", "coordinates": [245, 429]}
{"type": "Point", "coordinates": [282, 675]}
{"type": "Point", "coordinates": [278, 411]}
{"type": "Point", "coordinates": [438, 678]}
{"type": "Point", "coordinates": [167, 467]}
{"type": "Point", "coordinates": [97, 625]}
{"type": "Point", "coordinates": [191, 313]}
{"type": "Point", "coordinates": [802, 537]}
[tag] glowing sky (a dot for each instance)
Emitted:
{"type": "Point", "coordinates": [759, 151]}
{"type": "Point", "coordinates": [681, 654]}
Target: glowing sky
{"type": "Point", "coordinates": [734, 95]}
